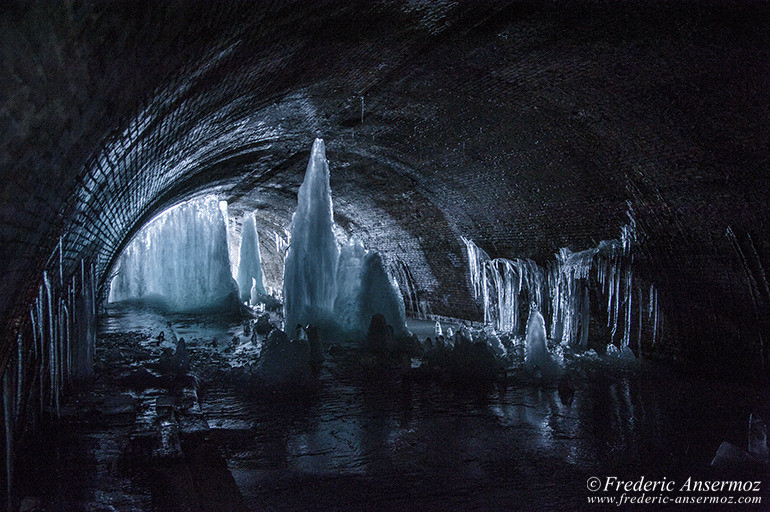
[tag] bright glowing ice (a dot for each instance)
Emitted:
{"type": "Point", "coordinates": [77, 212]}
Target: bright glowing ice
{"type": "Point", "coordinates": [536, 355]}
{"type": "Point", "coordinates": [326, 285]}
{"type": "Point", "coordinates": [311, 261]}
{"type": "Point", "coordinates": [250, 282]}
{"type": "Point", "coordinates": [181, 258]}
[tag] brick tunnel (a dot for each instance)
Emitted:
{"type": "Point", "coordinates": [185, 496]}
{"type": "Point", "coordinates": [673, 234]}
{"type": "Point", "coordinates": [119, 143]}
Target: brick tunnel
{"type": "Point", "coordinates": [522, 126]}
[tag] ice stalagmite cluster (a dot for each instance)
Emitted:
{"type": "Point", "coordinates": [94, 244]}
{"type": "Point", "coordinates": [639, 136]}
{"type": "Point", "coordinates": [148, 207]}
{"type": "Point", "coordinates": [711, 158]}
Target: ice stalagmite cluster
{"type": "Point", "coordinates": [309, 279]}
{"type": "Point", "coordinates": [562, 292]}
{"type": "Point", "coordinates": [180, 258]}
{"type": "Point", "coordinates": [339, 289]}
{"type": "Point", "coordinates": [250, 282]}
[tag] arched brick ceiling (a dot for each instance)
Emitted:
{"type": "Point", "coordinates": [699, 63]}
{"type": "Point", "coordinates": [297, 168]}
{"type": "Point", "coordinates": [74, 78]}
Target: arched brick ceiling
{"type": "Point", "coordinates": [526, 127]}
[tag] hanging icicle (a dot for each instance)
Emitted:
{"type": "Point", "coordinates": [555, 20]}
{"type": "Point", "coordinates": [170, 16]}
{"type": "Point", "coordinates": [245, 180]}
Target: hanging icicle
{"type": "Point", "coordinates": [505, 288]}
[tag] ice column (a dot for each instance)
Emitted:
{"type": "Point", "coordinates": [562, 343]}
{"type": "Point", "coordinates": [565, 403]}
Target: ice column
{"type": "Point", "coordinates": [250, 265]}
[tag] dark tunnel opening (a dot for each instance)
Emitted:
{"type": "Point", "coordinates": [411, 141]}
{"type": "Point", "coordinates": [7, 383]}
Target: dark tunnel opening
{"type": "Point", "coordinates": [577, 192]}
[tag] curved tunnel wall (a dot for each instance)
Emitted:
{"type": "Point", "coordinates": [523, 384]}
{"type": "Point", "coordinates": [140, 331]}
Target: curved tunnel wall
{"type": "Point", "coordinates": [521, 128]}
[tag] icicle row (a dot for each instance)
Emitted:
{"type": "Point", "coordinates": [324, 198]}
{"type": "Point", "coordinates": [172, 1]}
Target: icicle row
{"type": "Point", "coordinates": [503, 286]}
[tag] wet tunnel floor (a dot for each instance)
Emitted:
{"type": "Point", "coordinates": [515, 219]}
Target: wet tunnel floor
{"type": "Point", "coordinates": [357, 443]}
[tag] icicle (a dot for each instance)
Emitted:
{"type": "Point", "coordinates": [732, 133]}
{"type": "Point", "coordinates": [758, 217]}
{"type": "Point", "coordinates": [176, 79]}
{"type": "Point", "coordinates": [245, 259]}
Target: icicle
{"type": "Point", "coordinates": [34, 329]}
{"type": "Point", "coordinates": [65, 367]}
{"type": "Point", "coordinates": [51, 347]}
{"type": "Point", "coordinates": [19, 371]}
{"type": "Point", "coordinates": [91, 321]}
{"type": "Point", "coordinates": [655, 322]}
{"type": "Point", "coordinates": [61, 263]}
{"type": "Point", "coordinates": [610, 293]}
{"type": "Point", "coordinates": [9, 427]}
{"type": "Point", "coordinates": [41, 337]}
{"type": "Point", "coordinates": [629, 296]}
{"type": "Point", "coordinates": [639, 334]}
{"type": "Point", "coordinates": [616, 308]}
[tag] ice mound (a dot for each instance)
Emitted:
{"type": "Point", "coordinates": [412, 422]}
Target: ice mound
{"type": "Point", "coordinates": [537, 360]}
{"type": "Point", "coordinates": [365, 289]}
{"type": "Point", "coordinates": [284, 362]}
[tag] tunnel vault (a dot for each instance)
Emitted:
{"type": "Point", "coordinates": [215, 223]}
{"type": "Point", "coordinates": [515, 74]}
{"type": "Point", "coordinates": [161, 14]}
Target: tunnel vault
{"type": "Point", "coordinates": [524, 128]}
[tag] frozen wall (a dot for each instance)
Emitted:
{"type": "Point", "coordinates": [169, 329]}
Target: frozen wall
{"type": "Point", "coordinates": [179, 258]}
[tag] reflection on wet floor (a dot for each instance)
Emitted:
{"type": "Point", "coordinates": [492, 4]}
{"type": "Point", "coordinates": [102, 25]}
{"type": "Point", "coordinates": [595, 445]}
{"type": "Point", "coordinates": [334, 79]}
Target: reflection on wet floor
{"type": "Point", "coordinates": [355, 443]}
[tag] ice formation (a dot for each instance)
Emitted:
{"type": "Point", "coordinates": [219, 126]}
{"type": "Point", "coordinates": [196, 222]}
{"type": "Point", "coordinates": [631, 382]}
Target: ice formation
{"type": "Point", "coordinates": [311, 261]}
{"type": "Point", "coordinates": [181, 258]}
{"type": "Point", "coordinates": [284, 362]}
{"type": "Point", "coordinates": [536, 356]}
{"type": "Point", "coordinates": [561, 291]}
{"type": "Point", "coordinates": [323, 284]}
{"type": "Point", "coordinates": [249, 279]}
{"type": "Point", "coordinates": [364, 289]}
{"type": "Point", "coordinates": [756, 457]}
{"type": "Point", "coordinates": [58, 351]}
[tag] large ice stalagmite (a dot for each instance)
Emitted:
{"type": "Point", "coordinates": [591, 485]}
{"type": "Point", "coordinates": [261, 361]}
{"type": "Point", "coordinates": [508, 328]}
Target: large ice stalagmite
{"type": "Point", "coordinates": [364, 288]}
{"type": "Point", "coordinates": [181, 258]}
{"type": "Point", "coordinates": [250, 265]}
{"type": "Point", "coordinates": [311, 261]}
{"type": "Point", "coordinates": [339, 290]}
